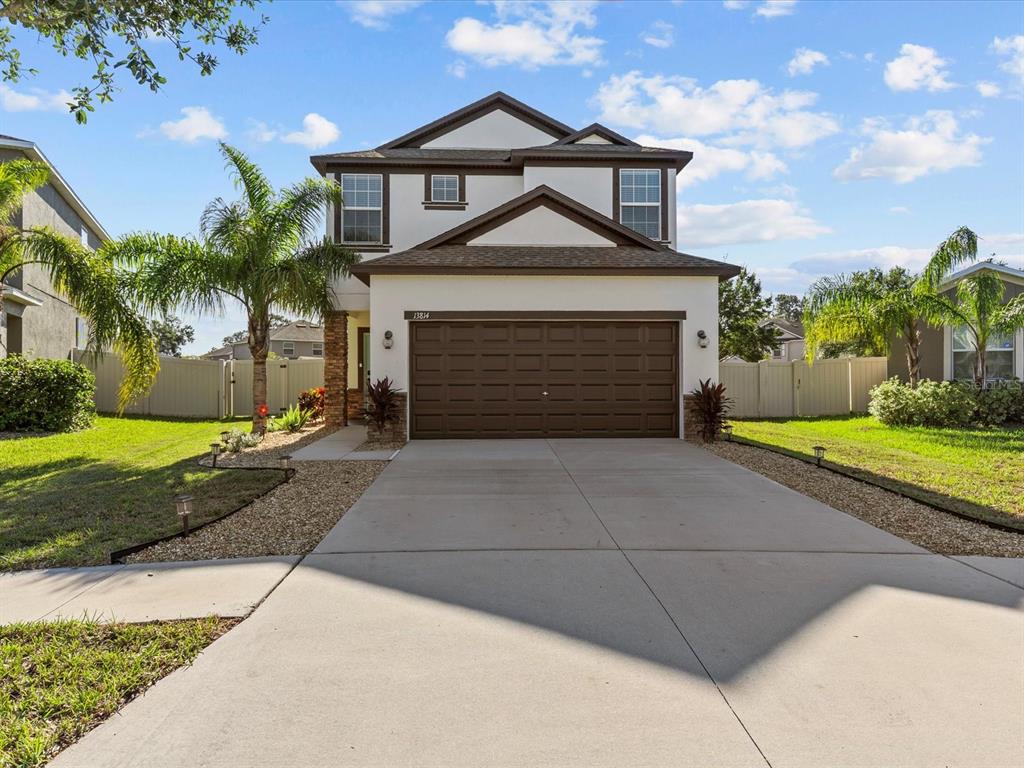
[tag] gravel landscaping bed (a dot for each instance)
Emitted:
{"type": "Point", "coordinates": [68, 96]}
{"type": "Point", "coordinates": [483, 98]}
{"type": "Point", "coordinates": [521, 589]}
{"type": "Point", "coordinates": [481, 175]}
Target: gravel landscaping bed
{"type": "Point", "coordinates": [936, 531]}
{"type": "Point", "coordinates": [290, 520]}
{"type": "Point", "coordinates": [271, 447]}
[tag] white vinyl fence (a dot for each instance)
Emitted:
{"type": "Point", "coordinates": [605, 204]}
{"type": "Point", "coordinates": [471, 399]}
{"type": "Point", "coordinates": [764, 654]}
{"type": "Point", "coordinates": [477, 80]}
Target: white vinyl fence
{"type": "Point", "coordinates": [204, 388]}
{"type": "Point", "coordinates": [779, 389]}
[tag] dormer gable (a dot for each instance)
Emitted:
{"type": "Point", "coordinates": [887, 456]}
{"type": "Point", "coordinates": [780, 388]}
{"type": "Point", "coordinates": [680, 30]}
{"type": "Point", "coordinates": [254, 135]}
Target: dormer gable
{"type": "Point", "coordinates": [595, 133]}
{"type": "Point", "coordinates": [497, 121]}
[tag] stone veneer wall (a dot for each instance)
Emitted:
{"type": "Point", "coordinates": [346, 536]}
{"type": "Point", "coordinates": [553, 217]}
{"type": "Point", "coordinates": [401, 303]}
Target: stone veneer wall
{"type": "Point", "coordinates": [691, 421]}
{"type": "Point", "coordinates": [355, 404]}
{"type": "Point", "coordinates": [397, 431]}
{"type": "Point", "coordinates": [336, 369]}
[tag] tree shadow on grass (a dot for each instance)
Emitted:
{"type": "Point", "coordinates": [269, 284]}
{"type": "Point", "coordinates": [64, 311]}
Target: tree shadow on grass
{"type": "Point", "coordinates": [75, 512]}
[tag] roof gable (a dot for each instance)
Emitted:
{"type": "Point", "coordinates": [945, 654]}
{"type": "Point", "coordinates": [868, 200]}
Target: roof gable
{"type": "Point", "coordinates": [460, 117]}
{"type": "Point", "coordinates": [546, 197]}
{"type": "Point", "coordinates": [1006, 272]}
{"type": "Point", "coordinates": [541, 226]}
{"type": "Point", "coordinates": [604, 135]}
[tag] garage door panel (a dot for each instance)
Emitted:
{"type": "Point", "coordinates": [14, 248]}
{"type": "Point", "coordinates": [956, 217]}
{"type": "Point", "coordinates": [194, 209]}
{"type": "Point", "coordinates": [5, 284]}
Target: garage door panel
{"type": "Point", "coordinates": [488, 379]}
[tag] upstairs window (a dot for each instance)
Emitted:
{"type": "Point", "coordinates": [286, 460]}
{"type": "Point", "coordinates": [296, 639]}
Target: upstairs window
{"type": "Point", "coordinates": [288, 348]}
{"type": "Point", "coordinates": [362, 211]}
{"type": "Point", "coordinates": [444, 189]}
{"type": "Point", "coordinates": [640, 201]}
{"type": "Point", "coordinates": [318, 349]}
{"type": "Point", "coordinates": [998, 355]}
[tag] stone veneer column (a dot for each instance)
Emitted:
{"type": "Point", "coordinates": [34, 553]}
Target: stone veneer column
{"type": "Point", "coordinates": [691, 421]}
{"type": "Point", "coordinates": [336, 369]}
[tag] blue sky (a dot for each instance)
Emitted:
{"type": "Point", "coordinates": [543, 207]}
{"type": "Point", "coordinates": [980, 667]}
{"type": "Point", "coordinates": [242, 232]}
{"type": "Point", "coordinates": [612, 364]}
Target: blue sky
{"type": "Point", "coordinates": [827, 136]}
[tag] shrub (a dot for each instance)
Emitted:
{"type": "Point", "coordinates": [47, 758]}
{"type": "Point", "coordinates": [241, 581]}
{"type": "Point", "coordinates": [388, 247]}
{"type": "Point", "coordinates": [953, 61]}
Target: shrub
{"type": "Point", "coordinates": [382, 402]}
{"type": "Point", "coordinates": [710, 406]}
{"type": "Point", "coordinates": [946, 404]}
{"type": "Point", "coordinates": [45, 395]}
{"type": "Point", "coordinates": [238, 440]}
{"type": "Point", "coordinates": [1001, 403]}
{"type": "Point", "coordinates": [293, 419]}
{"type": "Point", "coordinates": [312, 400]}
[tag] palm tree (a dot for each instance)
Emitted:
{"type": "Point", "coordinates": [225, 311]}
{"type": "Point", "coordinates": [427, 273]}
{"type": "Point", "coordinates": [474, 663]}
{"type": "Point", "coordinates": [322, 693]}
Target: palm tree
{"type": "Point", "coordinates": [978, 307]}
{"type": "Point", "coordinates": [874, 306]}
{"type": "Point", "coordinates": [86, 278]}
{"type": "Point", "coordinates": [256, 251]}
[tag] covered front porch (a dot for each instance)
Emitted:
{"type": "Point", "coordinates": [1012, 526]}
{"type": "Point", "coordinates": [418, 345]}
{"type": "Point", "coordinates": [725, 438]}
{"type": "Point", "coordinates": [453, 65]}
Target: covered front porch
{"type": "Point", "coordinates": [347, 365]}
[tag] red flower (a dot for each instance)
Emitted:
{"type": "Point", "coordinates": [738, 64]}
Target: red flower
{"type": "Point", "coordinates": [263, 410]}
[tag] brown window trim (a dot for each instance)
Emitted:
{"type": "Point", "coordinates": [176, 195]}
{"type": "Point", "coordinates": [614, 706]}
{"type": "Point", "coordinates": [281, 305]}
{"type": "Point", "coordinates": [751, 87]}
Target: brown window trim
{"type": "Point", "coordinates": [616, 203]}
{"type": "Point", "coordinates": [427, 316]}
{"type": "Point", "coordinates": [438, 205]}
{"type": "Point", "coordinates": [385, 212]}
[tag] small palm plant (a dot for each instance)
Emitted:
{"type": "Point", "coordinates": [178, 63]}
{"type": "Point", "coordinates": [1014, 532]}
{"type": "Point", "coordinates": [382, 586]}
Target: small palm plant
{"type": "Point", "coordinates": [711, 406]}
{"type": "Point", "coordinates": [256, 251]}
{"type": "Point", "coordinates": [86, 278]}
{"type": "Point", "coordinates": [382, 402]}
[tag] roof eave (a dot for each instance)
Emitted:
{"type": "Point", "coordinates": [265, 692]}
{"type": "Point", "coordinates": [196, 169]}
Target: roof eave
{"type": "Point", "coordinates": [365, 271]}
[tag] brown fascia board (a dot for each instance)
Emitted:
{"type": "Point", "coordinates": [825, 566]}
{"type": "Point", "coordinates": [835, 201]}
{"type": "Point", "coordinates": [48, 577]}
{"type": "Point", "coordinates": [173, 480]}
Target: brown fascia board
{"type": "Point", "coordinates": [679, 159]}
{"type": "Point", "coordinates": [365, 271]}
{"type": "Point", "coordinates": [497, 100]}
{"type": "Point", "coordinates": [600, 130]}
{"type": "Point", "coordinates": [537, 196]}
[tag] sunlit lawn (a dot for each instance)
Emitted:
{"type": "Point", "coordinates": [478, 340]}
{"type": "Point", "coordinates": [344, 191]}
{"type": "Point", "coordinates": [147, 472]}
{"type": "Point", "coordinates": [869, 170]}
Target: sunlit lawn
{"type": "Point", "coordinates": [71, 499]}
{"type": "Point", "coordinates": [979, 471]}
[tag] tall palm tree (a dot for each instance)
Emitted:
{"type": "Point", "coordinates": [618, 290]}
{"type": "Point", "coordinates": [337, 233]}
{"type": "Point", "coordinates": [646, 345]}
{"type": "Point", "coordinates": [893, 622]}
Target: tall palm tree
{"type": "Point", "coordinates": [86, 278]}
{"type": "Point", "coordinates": [876, 306]}
{"type": "Point", "coordinates": [978, 306]}
{"type": "Point", "coordinates": [256, 251]}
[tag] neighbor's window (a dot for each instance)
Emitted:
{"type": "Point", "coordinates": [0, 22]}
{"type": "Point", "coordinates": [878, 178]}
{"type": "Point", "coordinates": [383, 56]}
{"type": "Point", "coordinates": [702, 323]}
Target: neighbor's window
{"type": "Point", "coordinates": [288, 348]}
{"type": "Point", "coordinates": [640, 201]}
{"type": "Point", "coordinates": [998, 355]}
{"type": "Point", "coordinates": [444, 189]}
{"type": "Point", "coordinates": [363, 207]}
{"type": "Point", "coordinates": [318, 349]}
{"type": "Point", "coordinates": [81, 333]}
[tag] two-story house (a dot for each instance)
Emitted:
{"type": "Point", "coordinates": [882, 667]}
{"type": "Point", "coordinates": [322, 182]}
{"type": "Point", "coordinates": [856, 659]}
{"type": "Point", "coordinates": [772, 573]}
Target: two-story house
{"type": "Point", "coordinates": [294, 340]}
{"type": "Point", "coordinates": [520, 278]}
{"type": "Point", "coordinates": [36, 320]}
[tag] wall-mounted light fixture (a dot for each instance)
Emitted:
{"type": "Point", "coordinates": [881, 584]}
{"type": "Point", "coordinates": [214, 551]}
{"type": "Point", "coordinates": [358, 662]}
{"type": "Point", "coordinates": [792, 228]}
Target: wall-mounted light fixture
{"type": "Point", "coordinates": [702, 339]}
{"type": "Point", "coordinates": [389, 339]}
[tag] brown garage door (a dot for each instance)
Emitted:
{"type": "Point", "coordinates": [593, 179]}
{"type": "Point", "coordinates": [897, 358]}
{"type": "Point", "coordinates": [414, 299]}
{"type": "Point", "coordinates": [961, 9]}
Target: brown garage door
{"type": "Point", "coordinates": [544, 379]}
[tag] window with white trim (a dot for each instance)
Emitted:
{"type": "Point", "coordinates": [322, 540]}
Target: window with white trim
{"type": "Point", "coordinates": [444, 189]}
{"type": "Point", "coordinates": [998, 355]}
{"type": "Point", "coordinates": [288, 348]}
{"type": "Point", "coordinates": [318, 349]}
{"type": "Point", "coordinates": [362, 207]}
{"type": "Point", "coordinates": [640, 201]}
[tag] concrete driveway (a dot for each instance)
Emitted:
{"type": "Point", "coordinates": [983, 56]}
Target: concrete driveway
{"type": "Point", "coordinates": [613, 602]}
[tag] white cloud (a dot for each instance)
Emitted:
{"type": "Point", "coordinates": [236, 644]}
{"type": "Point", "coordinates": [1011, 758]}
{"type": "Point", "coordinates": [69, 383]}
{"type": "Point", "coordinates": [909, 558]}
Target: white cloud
{"type": "Point", "coordinates": [915, 68]}
{"type": "Point", "coordinates": [1013, 49]}
{"type": "Point", "coordinates": [932, 143]}
{"type": "Point", "coordinates": [899, 209]}
{"type": "Point", "coordinates": [710, 161]}
{"type": "Point", "coordinates": [735, 5]}
{"type": "Point", "coordinates": [744, 110]}
{"type": "Point", "coordinates": [805, 60]}
{"type": "Point", "coordinates": [197, 123]}
{"type": "Point", "coordinates": [261, 133]}
{"type": "Point", "coordinates": [748, 221]}
{"type": "Point", "coordinates": [769, 9]}
{"type": "Point", "coordinates": [530, 35]}
{"type": "Point", "coordinates": [660, 34]}
{"type": "Point", "coordinates": [377, 14]}
{"type": "Point", "coordinates": [884, 257]}
{"type": "Point", "coordinates": [35, 101]}
{"type": "Point", "coordinates": [317, 131]}
{"type": "Point", "coordinates": [457, 69]}
{"type": "Point", "coordinates": [987, 89]}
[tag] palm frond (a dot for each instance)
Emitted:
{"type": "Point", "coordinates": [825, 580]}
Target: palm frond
{"type": "Point", "coordinates": [17, 177]}
{"type": "Point", "coordinates": [1009, 318]}
{"type": "Point", "coordinates": [259, 194]}
{"type": "Point", "coordinates": [958, 249]}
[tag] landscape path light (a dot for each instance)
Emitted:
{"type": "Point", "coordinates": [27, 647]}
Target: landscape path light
{"type": "Point", "coordinates": [183, 505]}
{"type": "Point", "coordinates": [214, 452]}
{"type": "Point", "coordinates": [819, 453]}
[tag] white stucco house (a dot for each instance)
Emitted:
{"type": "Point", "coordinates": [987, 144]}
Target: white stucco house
{"type": "Point", "coordinates": [520, 278]}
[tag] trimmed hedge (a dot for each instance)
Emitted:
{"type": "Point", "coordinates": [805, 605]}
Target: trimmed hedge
{"type": "Point", "coordinates": [947, 404]}
{"type": "Point", "coordinates": [45, 395]}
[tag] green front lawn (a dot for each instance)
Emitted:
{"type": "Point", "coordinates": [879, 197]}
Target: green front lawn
{"type": "Point", "coordinates": [59, 679]}
{"type": "Point", "coordinates": [72, 499]}
{"type": "Point", "coordinates": [976, 471]}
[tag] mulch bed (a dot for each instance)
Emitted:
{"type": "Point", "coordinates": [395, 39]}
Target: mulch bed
{"type": "Point", "coordinates": [930, 528]}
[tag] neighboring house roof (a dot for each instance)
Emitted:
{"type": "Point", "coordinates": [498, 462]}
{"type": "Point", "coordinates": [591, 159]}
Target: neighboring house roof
{"type": "Point", "coordinates": [632, 253]}
{"type": "Point", "coordinates": [228, 349]}
{"type": "Point", "coordinates": [1017, 275]}
{"type": "Point", "coordinates": [298, 330]}
{"type": "Point", "coordinates": [62, 187]}
{"type": "Point", "coordinates": [470, 112]}
{"type": "Point", "coordinates": [407, 150]}
{"type": "Point", "coordinates": [793, 328]}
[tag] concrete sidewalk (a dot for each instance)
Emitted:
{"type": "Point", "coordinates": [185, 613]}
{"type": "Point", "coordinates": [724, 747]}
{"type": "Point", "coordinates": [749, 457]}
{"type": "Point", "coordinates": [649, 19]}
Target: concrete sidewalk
{"type": "Point", "coordinates": [142, 592]}
{"type": "Point", "coordinates": [341, 446]}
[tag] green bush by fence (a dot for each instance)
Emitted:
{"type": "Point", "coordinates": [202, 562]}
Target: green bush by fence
{"type": "Point", "coordinates": [45, 395]}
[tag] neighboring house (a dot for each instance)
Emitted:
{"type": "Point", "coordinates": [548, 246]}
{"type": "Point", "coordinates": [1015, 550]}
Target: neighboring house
{"type": "Point", "coordinates": [790, 337]}
{"type": "Point", "coordinates": [519, 278]}
{"type": "Point", "coordinates": [36, 321]}
{"type": "Point", "coordinates": [948, 353]}
{"type": "Point", "coordinates": [299, 338]}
